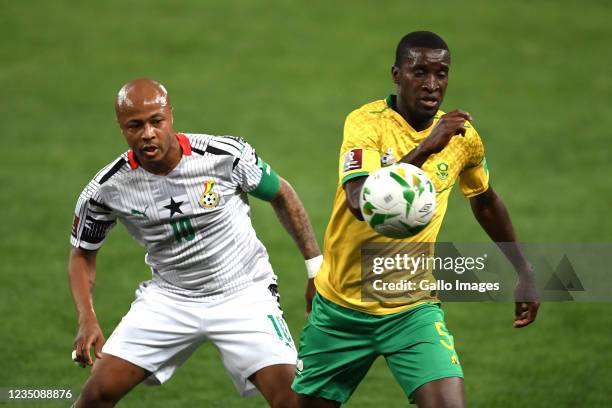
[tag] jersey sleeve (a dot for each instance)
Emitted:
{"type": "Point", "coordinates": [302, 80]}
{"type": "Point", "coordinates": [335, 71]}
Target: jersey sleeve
{"type": "Point", "coordinates": [93, 219]}
{"type": "Point", "coordinates": [359, 153]}
{"type": "Point", "coordinates": [254, 176]}
{"type": "Point", "coordinates": [474, 178]}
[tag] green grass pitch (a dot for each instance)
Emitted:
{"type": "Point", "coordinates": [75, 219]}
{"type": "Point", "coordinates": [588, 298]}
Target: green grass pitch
{"type": "Point", "coordinates": [283, 74]}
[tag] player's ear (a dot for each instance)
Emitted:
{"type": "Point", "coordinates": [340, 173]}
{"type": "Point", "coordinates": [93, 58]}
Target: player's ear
{"type": "Point", "coordinates": [395, 74]}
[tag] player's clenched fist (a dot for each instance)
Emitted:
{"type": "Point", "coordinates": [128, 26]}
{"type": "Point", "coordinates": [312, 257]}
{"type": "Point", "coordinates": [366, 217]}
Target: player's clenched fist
{"type": "Point", "coordinates": [449, 125]}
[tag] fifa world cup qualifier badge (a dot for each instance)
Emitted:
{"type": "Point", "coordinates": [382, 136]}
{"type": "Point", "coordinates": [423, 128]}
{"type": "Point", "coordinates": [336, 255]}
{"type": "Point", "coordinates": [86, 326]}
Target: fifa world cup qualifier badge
{"type": "Point", "coordinates": [353, 160]}
{"type": "Point", "coordinates": [209, 198]}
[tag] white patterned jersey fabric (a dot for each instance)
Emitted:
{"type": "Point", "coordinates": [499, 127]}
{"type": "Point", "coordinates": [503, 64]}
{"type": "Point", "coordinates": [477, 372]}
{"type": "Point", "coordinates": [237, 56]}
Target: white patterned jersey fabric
{"type": "Point", "coordinates": [194, 222]}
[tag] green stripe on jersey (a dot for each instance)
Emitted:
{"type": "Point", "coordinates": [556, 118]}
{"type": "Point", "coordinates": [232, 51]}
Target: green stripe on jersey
{"type": "Point", "coordinates": [354, 175]}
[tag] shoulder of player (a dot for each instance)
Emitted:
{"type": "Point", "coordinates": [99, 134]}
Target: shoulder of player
{"type": "Point", "coordinates": [368, 115]}
{"type": "Point", "coordinates": [370, 110]}
{"type": "Point", "coordinates": [217, 145]}
{"type": "Point", "coordinates": [113, 170]}
{"type": "Point", "coordinates": [93, 192]}
{"type": "Point", "coordinates": [471, 134]}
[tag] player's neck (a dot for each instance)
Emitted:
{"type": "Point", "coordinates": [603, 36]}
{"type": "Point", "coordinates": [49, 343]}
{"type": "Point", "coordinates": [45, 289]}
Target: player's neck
{"type": "Point", "coordinates": [159, 169]}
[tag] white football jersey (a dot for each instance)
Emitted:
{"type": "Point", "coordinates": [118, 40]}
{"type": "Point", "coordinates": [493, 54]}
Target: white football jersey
{"type": "Point", "coordinates": [194, 222]}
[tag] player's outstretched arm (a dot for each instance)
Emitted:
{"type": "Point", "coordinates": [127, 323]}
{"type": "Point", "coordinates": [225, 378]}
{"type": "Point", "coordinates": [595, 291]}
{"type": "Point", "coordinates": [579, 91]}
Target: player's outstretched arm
{"type": "Point", "coordinates": [292, 215]}
{"type": "Point", "coordinates": [82, 277]}
{"type": "Point", "coordinates": [492, 215]}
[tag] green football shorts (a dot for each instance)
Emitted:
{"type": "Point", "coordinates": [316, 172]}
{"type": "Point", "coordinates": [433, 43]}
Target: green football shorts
{"type": "Point", "coordinates": [338, 346]}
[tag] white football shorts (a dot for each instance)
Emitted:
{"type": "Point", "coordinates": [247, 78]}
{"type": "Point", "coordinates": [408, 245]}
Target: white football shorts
{"type": "Point", "coordinates": [162, 329]}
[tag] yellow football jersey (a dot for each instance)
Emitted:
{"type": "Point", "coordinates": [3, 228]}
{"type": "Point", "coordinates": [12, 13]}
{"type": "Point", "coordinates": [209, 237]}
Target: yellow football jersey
{"type": "Point", "coordinates": [375, 135]}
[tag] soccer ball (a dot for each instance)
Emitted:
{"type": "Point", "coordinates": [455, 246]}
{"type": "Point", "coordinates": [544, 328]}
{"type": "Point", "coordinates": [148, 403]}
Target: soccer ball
{"type": "Point", "coordinates": [398, 201]}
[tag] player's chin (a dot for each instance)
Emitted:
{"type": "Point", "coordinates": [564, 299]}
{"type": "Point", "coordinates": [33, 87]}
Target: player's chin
{"type": "Point", "coordinates": [428, 110]}
{"type": "Point", "coordinates": [425, 114]}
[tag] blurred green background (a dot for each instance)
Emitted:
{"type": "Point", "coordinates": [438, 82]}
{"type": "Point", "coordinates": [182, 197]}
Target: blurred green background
{"type": "Point", "coordinates": [283, 74]}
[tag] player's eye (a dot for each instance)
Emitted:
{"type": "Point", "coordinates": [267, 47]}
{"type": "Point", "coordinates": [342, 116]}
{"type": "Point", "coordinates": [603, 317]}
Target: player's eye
{"type": "Point", "coordinates": [442, 74]}
{"type": "Point", "coordinates": [134, 125]}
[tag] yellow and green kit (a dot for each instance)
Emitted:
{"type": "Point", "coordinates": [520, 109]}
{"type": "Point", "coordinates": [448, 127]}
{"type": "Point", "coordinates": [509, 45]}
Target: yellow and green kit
{"type": "Point", "coordinates": [345, 334]}
{"type": "Point", "coordinates": [375, 135]}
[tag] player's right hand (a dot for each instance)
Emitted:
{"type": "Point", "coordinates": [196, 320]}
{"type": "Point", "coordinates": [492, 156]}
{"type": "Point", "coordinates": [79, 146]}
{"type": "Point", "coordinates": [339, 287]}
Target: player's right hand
{"type": "Point", "coordinates": [527, 301]}
{"type": "Point", "coordinates": [89, 335]}
{"type": "Point", "coordinates": [449, 125]}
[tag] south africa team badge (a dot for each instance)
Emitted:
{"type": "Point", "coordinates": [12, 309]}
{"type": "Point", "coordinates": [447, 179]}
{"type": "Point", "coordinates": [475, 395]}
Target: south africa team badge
{"type": "Point", "coordinates": [208, 199]}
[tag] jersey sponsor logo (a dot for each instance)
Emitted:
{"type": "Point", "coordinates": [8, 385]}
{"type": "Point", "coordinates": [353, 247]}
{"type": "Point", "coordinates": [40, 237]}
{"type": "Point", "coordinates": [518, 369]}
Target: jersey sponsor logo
{"type": "Point", "coordinates": [388, 158]}
{"type": "Point", "coordinates": [442, 172]}
{"type": "Point", "coordinates": [209, 199]}
{"type": "Point", "coordinates": [353, 160]}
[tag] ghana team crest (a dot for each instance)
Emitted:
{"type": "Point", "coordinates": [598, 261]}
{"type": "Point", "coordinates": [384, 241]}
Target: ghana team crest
{"type": "Point", "coordinates": [209, 199]}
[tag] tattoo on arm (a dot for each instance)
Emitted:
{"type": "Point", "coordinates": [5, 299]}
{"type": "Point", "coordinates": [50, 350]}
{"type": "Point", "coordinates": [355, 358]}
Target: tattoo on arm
{"type": "Point", "coordinates": [293, 217]}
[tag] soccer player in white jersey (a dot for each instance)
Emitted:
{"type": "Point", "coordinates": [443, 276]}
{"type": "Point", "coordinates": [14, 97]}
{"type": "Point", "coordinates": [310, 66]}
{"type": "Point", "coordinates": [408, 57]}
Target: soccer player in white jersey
{"type": "Point", "coordinates": [184, 197]}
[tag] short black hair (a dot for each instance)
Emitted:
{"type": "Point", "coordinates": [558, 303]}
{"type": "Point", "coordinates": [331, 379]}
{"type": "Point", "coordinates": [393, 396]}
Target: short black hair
{"type": "Point", "coordinates": [418, 39]}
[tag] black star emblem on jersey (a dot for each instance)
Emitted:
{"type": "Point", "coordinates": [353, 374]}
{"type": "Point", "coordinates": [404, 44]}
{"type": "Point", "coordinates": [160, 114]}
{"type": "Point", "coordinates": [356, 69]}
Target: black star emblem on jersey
{"type": "Point", "coordinates": [174, 206]}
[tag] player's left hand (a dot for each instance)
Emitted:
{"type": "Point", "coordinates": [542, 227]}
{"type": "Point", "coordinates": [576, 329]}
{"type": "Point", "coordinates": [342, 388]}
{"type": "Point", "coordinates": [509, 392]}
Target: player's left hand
{"type": "Point", "coordinates": [527, 302]}
{"type": "Point", "coordinates": [310, 292]}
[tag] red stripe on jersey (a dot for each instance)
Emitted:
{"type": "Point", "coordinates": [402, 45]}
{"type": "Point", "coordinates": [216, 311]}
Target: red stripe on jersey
{"type": "Point", "coordinates": [185, 145]}
{"type": "Point", "coordinates": [132, 160]}
{"type": "Point", "coordinates": [183, 142]}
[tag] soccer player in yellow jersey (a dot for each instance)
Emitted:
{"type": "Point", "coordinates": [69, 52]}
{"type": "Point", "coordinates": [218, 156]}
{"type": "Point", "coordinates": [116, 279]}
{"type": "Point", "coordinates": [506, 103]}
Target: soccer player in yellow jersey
{"type": "Point", "coordinates": [344, 334]}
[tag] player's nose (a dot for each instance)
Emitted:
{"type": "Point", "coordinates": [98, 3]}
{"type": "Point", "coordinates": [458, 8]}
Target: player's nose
{"type": "Point", "coordinates": [431, 83]}
{"type": "Point", "coordinates": [148, 132]}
